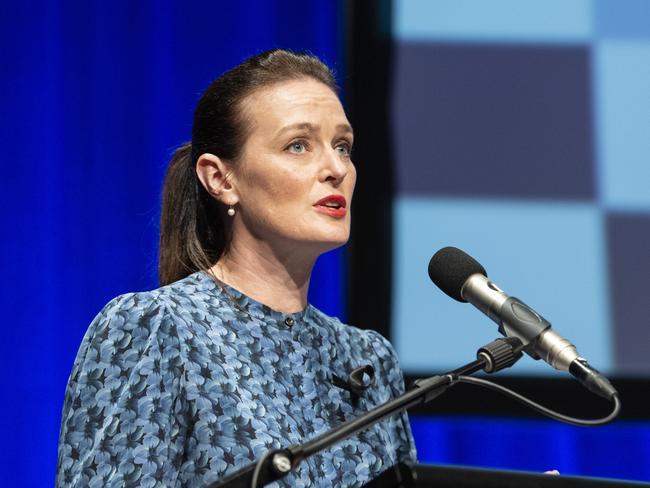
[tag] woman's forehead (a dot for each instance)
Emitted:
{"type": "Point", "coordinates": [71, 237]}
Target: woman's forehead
{"type": "Point", "coordinates": [304, 104]}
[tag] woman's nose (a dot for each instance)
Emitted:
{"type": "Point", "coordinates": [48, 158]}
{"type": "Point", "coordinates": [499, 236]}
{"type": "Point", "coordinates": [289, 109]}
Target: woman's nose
{"type": "Point", "coordinates": [335, 168]}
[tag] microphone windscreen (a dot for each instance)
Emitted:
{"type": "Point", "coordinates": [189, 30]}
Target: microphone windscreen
{"type": "Point", "coordinates": [449, 269]}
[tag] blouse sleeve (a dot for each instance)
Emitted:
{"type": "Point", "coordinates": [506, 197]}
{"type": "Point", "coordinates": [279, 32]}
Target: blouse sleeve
{"type": "Point", "coordinates": [391, 369]}
{"type": "Point", "coordinates": [124, 416]}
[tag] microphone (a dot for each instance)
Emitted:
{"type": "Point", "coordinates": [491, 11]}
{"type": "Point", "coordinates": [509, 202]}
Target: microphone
{"type": "Point", "coordinates": [463, 278]}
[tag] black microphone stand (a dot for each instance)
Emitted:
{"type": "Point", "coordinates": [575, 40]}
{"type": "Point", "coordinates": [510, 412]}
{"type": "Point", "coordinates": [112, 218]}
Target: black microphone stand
{"type": "Point", "coordinates": [278, 463]}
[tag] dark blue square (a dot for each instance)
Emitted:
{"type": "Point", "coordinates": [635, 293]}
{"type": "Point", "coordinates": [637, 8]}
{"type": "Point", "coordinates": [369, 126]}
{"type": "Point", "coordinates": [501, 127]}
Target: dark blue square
{"type": "Point", "coordinates": [494, 121]}
{"type": "Point", "coordinates": [629, 270]}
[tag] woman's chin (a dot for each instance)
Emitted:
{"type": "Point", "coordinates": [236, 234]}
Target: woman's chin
{"type": "Point", "coordinates": [331, 241]}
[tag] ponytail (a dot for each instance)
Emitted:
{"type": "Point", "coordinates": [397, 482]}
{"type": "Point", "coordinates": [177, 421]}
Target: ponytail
{"type": "Point", "coordinates": [192, 231]}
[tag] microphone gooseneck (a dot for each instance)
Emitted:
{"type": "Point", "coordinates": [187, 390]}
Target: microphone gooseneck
{"type": "Point", "coordinates": [462, 278]}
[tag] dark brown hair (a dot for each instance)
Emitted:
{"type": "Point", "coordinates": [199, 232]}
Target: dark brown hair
{"type": "Point", "coordinates": [194, 232]}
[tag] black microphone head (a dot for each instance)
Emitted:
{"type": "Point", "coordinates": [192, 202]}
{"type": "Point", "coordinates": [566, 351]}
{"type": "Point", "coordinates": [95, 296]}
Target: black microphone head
{"type": "Point", "coordinates": [449, 269]}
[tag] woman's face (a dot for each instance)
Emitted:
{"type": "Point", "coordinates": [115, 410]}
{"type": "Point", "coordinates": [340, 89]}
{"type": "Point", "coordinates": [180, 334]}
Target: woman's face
{"type": "Point", "coordinates": [295, 178]}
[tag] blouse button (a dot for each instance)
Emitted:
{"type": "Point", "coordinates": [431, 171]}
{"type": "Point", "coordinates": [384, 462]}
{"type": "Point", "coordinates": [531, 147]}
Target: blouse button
{"type": "Point", "coordinates": [289, 322]}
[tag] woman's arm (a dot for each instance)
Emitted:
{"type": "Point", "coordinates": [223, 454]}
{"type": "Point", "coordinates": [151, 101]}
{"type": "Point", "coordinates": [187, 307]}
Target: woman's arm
{"type": "Point", "coordinates": [124, 416]}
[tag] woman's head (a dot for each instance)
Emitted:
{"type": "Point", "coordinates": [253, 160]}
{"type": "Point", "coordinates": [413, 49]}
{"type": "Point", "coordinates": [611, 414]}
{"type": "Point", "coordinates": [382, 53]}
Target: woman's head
{"type": "Point", "coordinates": [269, 137]}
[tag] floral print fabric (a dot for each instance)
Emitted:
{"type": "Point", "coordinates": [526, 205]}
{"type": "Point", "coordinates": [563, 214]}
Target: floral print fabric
{"type": "Point", "coordinates": [182, 385]}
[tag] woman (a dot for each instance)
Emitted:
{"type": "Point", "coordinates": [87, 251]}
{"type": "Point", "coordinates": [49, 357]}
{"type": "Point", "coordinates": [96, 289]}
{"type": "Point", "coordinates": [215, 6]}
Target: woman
{"type": "Point", "coordinates": [184, 384]}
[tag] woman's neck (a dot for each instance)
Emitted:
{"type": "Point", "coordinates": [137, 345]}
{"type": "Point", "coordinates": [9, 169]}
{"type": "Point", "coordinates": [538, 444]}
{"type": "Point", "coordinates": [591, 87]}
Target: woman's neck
{"type": "Point", "coordinates": [279, 281]}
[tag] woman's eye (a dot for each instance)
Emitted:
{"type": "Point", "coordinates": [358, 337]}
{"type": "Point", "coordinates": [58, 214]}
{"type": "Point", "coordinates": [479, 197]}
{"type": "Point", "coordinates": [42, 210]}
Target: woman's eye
{"type": "Point", "coordinates": [297, 147]}
{"type": "Point", "coordinates": [344, 149]}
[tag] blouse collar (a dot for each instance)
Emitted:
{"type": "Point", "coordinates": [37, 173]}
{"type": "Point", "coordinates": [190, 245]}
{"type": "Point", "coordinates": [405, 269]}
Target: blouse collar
{"type": "Point", "coordinates": [247, 305]}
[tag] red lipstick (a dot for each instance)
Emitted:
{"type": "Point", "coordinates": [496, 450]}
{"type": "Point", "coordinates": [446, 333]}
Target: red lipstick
{"type": "Point", "coordinates": [332, 205]}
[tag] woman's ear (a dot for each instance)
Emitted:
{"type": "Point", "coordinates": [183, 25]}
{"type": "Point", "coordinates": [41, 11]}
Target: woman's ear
{"type": "Point", "coordinates": [216, 177]}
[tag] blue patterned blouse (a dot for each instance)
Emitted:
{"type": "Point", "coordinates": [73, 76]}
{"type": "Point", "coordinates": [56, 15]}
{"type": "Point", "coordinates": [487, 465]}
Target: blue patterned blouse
{"type": "Point", "coordinates": [179, 386]}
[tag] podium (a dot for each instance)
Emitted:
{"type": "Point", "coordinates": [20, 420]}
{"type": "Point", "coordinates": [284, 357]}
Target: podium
{"type": "Point", "coordinates": [425, 476]}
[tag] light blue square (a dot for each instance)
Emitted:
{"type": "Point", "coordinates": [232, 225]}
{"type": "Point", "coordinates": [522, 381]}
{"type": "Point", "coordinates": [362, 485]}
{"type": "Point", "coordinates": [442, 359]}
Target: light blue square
{"type": "Point", "coordinates": [545, 21]}
{"type": "Point", "coordinates": [549, 255]}
{"type": "Point", "coordinates": [622, 101]}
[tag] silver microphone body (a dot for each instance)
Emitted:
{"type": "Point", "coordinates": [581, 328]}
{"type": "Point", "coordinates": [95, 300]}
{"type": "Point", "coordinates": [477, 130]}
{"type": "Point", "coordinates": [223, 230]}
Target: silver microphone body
{"type": "Point", "coordinates": [516, 319]}
{"type": "Point", "coordinates": [539, 340]}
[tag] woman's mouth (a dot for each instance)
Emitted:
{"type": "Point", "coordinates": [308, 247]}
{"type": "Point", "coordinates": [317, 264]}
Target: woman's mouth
{"type": "Point", "coordinates": [332, 205]}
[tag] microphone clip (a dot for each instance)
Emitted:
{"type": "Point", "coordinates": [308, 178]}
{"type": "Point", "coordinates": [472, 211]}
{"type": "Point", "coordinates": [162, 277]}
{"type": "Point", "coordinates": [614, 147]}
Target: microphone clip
{"type": "Point", "coordinates": [359, 380]}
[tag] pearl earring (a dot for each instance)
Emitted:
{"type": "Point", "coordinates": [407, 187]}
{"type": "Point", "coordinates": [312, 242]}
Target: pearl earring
{"type": "Point", "coordinates": [231, 211]}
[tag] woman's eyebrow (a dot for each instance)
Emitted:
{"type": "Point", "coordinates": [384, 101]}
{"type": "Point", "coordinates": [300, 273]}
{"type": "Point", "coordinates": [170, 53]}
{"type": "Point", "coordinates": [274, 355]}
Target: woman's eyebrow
{"type": "Point", "coordinates": [309, 127]}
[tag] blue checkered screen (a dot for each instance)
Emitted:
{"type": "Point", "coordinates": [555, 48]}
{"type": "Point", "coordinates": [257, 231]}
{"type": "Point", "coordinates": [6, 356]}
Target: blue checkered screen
{"type": "Point", "coordinates": [521, 131]}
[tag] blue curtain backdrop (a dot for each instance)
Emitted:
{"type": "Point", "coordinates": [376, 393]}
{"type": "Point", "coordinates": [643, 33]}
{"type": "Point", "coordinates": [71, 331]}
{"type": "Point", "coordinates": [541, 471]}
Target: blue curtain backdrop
{"type": "Point", "coordinates": [95, 96]}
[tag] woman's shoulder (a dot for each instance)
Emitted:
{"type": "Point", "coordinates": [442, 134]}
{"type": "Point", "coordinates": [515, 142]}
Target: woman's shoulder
{"type": "Point", "coordinates": [185, 295]}
{"type": "Point", "coordinates": [167, 314]}
{"type": "Point", "coordinates": [137, 325]}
